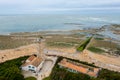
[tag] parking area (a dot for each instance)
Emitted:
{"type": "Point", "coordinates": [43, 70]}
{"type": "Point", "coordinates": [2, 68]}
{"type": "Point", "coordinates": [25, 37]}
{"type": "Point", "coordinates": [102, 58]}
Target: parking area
{"type": "Point", "coordinates": [46, 66]}
{"type": "Point", "coordinates": [28, 74]}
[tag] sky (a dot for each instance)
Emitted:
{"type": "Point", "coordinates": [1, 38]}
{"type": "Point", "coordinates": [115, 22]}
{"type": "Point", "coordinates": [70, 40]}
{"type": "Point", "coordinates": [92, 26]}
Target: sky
{"type": "Point", "coordinates": [54, 6]}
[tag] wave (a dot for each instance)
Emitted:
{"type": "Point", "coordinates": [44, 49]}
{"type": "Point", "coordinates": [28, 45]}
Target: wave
{"type": "Point", "coordinates": [96, 19]}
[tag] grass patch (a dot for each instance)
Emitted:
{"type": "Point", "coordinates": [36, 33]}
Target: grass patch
{"type": "Point", "coordinates": [103, 44]}
{"type": "Point", "coordinates": [8, 42]}
{"type": "Point", "coordinates": [83, 45]}
{"type": "Point", "coordinates": [55, 44]}
{"type": "Point", "coordinates": [47, 78]}
{"type": "Point", "coordinates": [99, 38]}
{"type": "Point", "coordinates": [105, 74]}
{"type": "Point", "coordinates": [30, 78]}
{"type": "Point", "coordinates": [96, 50]}
{"type": "Point", "coordinates": [63, 40]}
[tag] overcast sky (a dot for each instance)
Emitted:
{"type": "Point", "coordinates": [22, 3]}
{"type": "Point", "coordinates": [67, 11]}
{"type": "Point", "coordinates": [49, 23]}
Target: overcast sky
{"type": "Point", "coordinates": [44, 6]}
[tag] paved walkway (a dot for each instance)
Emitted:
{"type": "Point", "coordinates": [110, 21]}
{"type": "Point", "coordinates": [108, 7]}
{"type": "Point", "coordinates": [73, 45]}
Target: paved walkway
{"type": "Point", "coordinates": [47, 67]}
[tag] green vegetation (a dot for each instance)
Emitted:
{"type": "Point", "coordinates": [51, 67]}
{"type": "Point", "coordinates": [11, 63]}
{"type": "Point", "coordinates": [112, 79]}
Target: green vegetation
{"type": "Point", "coordinates": [60, 44]}
{"type": "Point", "coordinates": [9, 42]}
{"type": "Point", "coordinates": [103, 44]}
{"type": "Point", "coordinates": [96, 50]}
{"type": "Point", "coordinates": [63, 74]}
{"type": "Point", "coordinates": [30, 78]}
{"type": "Point", "coordinates": [108, 75]}
{"type": "Point", "coordinates": [10, 70]}
{"type": "Point", "coordinates": [84, 44]}
{"type": "Point", "coordinates": [63, 40]}
{"type": "Point", "coordinates": [47, 78]}
{"type": "Point", "coordinates": [58, 40]}
{"type": "Point", "coordinates": [99, 38]}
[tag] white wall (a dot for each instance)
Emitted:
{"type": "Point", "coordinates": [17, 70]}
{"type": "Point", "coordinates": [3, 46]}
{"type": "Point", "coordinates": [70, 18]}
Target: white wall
{"type": "Point", "coordinates": [40, 66]}
{"type": "Point", "coordinates": [26, 68]}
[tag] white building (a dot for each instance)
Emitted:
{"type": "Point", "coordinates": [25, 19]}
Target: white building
{"type": "Point", "coordinates": [33, 63]}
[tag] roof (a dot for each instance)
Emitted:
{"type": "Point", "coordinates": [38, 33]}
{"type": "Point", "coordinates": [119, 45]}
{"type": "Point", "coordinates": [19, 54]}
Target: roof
{"type": "Point", "coordinates": [31, 58]}
{"type": "Point", "coordinates": [80, 67]}
{"type": "Point", "coordinates": [35, 61]}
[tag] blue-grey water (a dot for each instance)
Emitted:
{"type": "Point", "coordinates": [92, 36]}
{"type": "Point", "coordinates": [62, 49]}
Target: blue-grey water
{"type": "Point", "coordinates": [30, 23]}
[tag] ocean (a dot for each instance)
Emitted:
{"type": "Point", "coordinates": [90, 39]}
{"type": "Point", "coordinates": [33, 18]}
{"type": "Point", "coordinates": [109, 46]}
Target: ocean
{"type": "Point", "coordinates": [56, 22]}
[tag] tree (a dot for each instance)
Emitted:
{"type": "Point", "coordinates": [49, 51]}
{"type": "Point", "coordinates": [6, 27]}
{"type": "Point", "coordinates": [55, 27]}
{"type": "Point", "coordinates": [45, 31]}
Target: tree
{"type": "Point", "coordinates": [30, 78]}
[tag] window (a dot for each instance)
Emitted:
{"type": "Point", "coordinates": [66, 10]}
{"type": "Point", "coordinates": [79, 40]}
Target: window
{"type": "Point", "coordinates": [29, 66]}
{"type": "Point", "coordinates": [91, 69]}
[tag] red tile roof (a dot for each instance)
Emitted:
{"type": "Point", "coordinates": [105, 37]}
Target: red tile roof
{"type": "Point", "coordinates": [31, 58]}
{"type": "Point", "coordinates": [79, 67]}
{"type": "Point", "coordinates": [35, 61]}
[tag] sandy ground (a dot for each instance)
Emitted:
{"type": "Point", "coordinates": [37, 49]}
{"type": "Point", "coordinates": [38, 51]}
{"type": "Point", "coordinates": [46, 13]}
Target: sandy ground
{"type": "Point", "coordinates": [18, 52]}
{"type": "Point", "coordinates": [107, 59]}
{"type": "Point", "coordinates": [66, 50]}
{"type": "Point", "coordinates": [109, 62]}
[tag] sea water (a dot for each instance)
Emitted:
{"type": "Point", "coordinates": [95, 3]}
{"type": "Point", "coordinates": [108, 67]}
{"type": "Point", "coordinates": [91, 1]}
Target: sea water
{"type": "Point", "coordinates": [60, 22]}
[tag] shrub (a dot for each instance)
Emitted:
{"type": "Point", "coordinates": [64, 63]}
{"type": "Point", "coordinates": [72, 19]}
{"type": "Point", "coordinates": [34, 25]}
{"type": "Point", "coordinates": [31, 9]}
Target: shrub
{"type": "Point", "coordinates": [10, 70]}
{"type": "Point", "coordinates": [30, 78]}
{"type": "Point", "coordinates": [96, 50]}
{"type": "Point", "coordinates": [99, 38]}
{"type": "Point", "coordinates": [84, 44]}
